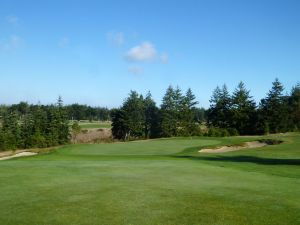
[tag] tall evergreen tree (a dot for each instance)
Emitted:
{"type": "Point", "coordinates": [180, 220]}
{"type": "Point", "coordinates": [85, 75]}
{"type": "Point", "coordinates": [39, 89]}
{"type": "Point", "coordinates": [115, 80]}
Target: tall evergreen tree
{"type": "Point", "coordinates": [274, 109]}
{"type": "Point", "coordinates": [120, 129]}
{"type": "Point", "coordinates": [134, 111]}
{"type": "Point", "coordinates": [152, 120]}
{"type": "Point", "coordinates": [11, 132]}
{"type": "Point", "coordinates": [243, 109]}
{"type": "Point", "coordinates": [219, 114]}
{"type": "Point", "coordinates": [187, 117]}
{"type": "Point", "coordinates": [294, 108]}
{"type": "Point", "coordinates": [169, 112]}
{"type": "Point", "coordinates": [63, 123]}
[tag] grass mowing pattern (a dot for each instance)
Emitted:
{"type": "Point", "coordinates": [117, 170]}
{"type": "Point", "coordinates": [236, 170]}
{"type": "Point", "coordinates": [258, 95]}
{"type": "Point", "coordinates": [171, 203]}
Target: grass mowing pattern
{"type": "Point", "coordinates": [156, 182]}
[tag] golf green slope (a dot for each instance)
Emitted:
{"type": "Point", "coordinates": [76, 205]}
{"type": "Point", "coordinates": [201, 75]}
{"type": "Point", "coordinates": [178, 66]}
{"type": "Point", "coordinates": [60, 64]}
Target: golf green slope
{"type": "Point", "coordinates": [157, 182]}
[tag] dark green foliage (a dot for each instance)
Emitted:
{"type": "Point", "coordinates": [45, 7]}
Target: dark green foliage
{"type": "Point", "coordinates": [170, 112]}
{"type": "Point", "coordinates": [84, 112]}
{"type": "Point", "coordinates": [137, 118]}
{"type": "Point", "coordinates": [140, 118]}
{"type": "Point", "coordinates": [217, 132]}
{"type": "Point", "coordinates": [274, 109]}
{"type": "Point", "coordinates": [243, 111]}
{"type": "Point", "coordinates": [32, 126]}
{"type": "Point", "coordinates": [294, 108]}
{"type": "Point", "coordinates": [120, 129]}
{"type": "Point", "coordinates": [219, 113]}
{"type": "Point", "coordinates": [27, 126]}
{"type": "Point", "coordinates": [232, 131]}
{"type": "Point", "coordinates": [134, 110]}
{"type": "Point", "coordinates": [11, 132]}
{"type": "Point", "coordinates": [187, 114]}
{"type": "Point", "coordinates": [200, 115]}
{"type": "Point", "coordinates": [238, 113]}
{"type": "Point", "coordinates": [152, 118]}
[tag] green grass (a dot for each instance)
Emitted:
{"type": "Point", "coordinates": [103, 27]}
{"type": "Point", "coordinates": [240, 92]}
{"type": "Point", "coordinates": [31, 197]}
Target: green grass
{"type": "Point", "coordinates": [159, 182]}
{"type": "Point", "coordinates": [94, 124]}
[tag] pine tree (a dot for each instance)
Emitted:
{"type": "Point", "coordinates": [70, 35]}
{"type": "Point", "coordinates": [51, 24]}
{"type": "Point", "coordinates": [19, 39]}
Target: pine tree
{"type": "Point", "coordinates": [274, 109]}
{"type": "Point", "coordinates": [11, 132]}
{"type": "Point", "coordinates": [294, 108]}
{"type": "Point", "coordinates": [219, 114]}
{"type": "Point", "coordinates": [133, 108]}
{"type": "Point", "coordinates": [188, 114]}
{"type": "Point", "coordinates": [63, 123]}
{"type": "Point", "coordinates": [52, 131]}
{"type": "Point", "coordinates": [27, 130]}
{"type": "Point", "coordinates": [169, 112]}
{"type": "Point", "coordinates": [152, 120]}
{"type": "Point", "coordinates": [243, 109]}
{"type": "Point", "coordinates": [120, 129]}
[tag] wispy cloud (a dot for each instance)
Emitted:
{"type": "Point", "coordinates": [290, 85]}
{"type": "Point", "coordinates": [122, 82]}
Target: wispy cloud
{"type": "Point", "coordinates": [116, 38]}
{"type": "Point", "coordinates": [11, 43]}
{"type": "Point", "coordinates": [144, 52]}
{"type": "Point", "coordinates": [164, 58]}
{"type": "Point", "coordinates": [135, 70]}
{"type": "Point", "coordinates": [64, 42]}
{"type": "Point", "coordinates": [14, 20]}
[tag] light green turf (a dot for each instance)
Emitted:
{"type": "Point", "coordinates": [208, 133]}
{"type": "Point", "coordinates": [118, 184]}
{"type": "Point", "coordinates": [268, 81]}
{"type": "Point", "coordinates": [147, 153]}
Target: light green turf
{"type": "Point", "coordinates": [86, 125]}
{"type": "Point", "coordinates": [94, 124]}
{"type": "Point", "coordinates": [159, 182]}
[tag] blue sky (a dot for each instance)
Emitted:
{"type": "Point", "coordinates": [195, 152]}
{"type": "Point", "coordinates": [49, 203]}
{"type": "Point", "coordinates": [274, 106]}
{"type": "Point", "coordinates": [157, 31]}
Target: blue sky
{"type": "Point", "coordinates": [95, 52]}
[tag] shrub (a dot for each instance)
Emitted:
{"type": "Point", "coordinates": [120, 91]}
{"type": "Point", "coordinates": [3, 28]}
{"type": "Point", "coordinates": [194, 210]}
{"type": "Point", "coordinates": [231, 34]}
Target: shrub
{"type": "Point", "coordinates": [233, 132]}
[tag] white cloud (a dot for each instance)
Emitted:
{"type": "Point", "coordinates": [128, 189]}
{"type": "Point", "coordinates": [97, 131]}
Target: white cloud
{"type": "Point", "coordinates": [64, 42]}
{"type": "Point", "coordinates": [164, 58]}
{"type": "Point", "coordinates": [144, 52]}
{"type": "Point", "coordinates": [116, 38]}
{"type": "Point", "coordinates": [13, 42]}
{"type": "Point", "coordinates": [135, 70]}
{"type": "Point", "coordinates": [12, 19]}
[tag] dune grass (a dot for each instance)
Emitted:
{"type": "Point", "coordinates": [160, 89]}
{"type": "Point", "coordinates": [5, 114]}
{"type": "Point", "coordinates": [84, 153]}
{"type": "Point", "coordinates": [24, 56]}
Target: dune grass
{"type": "Point", "coordinates": [157, 182]}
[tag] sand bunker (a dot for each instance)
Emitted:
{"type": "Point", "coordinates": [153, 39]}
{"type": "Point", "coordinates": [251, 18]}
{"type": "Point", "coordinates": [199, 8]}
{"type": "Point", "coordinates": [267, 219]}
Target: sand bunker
{"type": "Point", "coordinates": [21, 154]}
{"type": "Point", "coordinates": [246, 145]}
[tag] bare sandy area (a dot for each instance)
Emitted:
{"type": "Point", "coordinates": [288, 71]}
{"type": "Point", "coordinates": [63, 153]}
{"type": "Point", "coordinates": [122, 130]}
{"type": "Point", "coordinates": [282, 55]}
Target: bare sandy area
{"type": "Point", "coordinates": [21, 154]}
{"type": "Point", "coordinates": [222, 149]}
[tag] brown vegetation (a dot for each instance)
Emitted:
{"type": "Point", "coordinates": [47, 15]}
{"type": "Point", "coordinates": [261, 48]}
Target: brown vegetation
{"type": "Point", "coordinates": [93, 135]}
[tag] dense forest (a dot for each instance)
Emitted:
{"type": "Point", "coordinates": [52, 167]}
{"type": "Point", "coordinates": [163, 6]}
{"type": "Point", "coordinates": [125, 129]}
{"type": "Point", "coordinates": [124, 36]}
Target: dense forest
{"type": "Point", "coordinates": [29, 126]}
{"type": "Point", "coordinates": [228, 114]}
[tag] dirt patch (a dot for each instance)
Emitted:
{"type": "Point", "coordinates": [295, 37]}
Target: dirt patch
{"type": "Point", "coordinates": [246, 145]}
{"type": "Point", "coordinates": [20, 154]}
{"type": "Point", "coordinates": [93, 135]}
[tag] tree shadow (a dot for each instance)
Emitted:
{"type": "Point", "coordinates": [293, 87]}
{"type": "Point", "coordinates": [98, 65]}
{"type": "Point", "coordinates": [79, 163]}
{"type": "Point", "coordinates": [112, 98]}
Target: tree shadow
{"type": "Point", "coordinates": [247, 159]}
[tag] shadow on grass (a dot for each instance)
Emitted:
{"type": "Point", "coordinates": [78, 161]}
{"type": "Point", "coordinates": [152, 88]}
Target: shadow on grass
{"type": "Point", "coordinates": [247, 159]}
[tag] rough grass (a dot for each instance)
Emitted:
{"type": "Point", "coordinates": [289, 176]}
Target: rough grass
{"type": "Point", "coordinates": [159, 182]}
{"type": "Point", "coordinates": [85, 124]}
{"type": "Point", "coordinates": [95, 124]}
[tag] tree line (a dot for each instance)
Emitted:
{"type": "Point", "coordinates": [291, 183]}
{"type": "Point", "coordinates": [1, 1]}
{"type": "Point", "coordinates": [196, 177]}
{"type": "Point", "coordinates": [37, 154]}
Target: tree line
{"type": "Point", "coordinates": [29, 126]}
{"type": "Point", "coordinates": [33, 126]}
{"type": "Point", "coordinates": [73, 112]}
{"type": "Point", "coordinates": [140, 117]}
{"type": "Point", "coordinates": [228, 114]}
{"type": "Point", "coordinates": [84, 112]}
